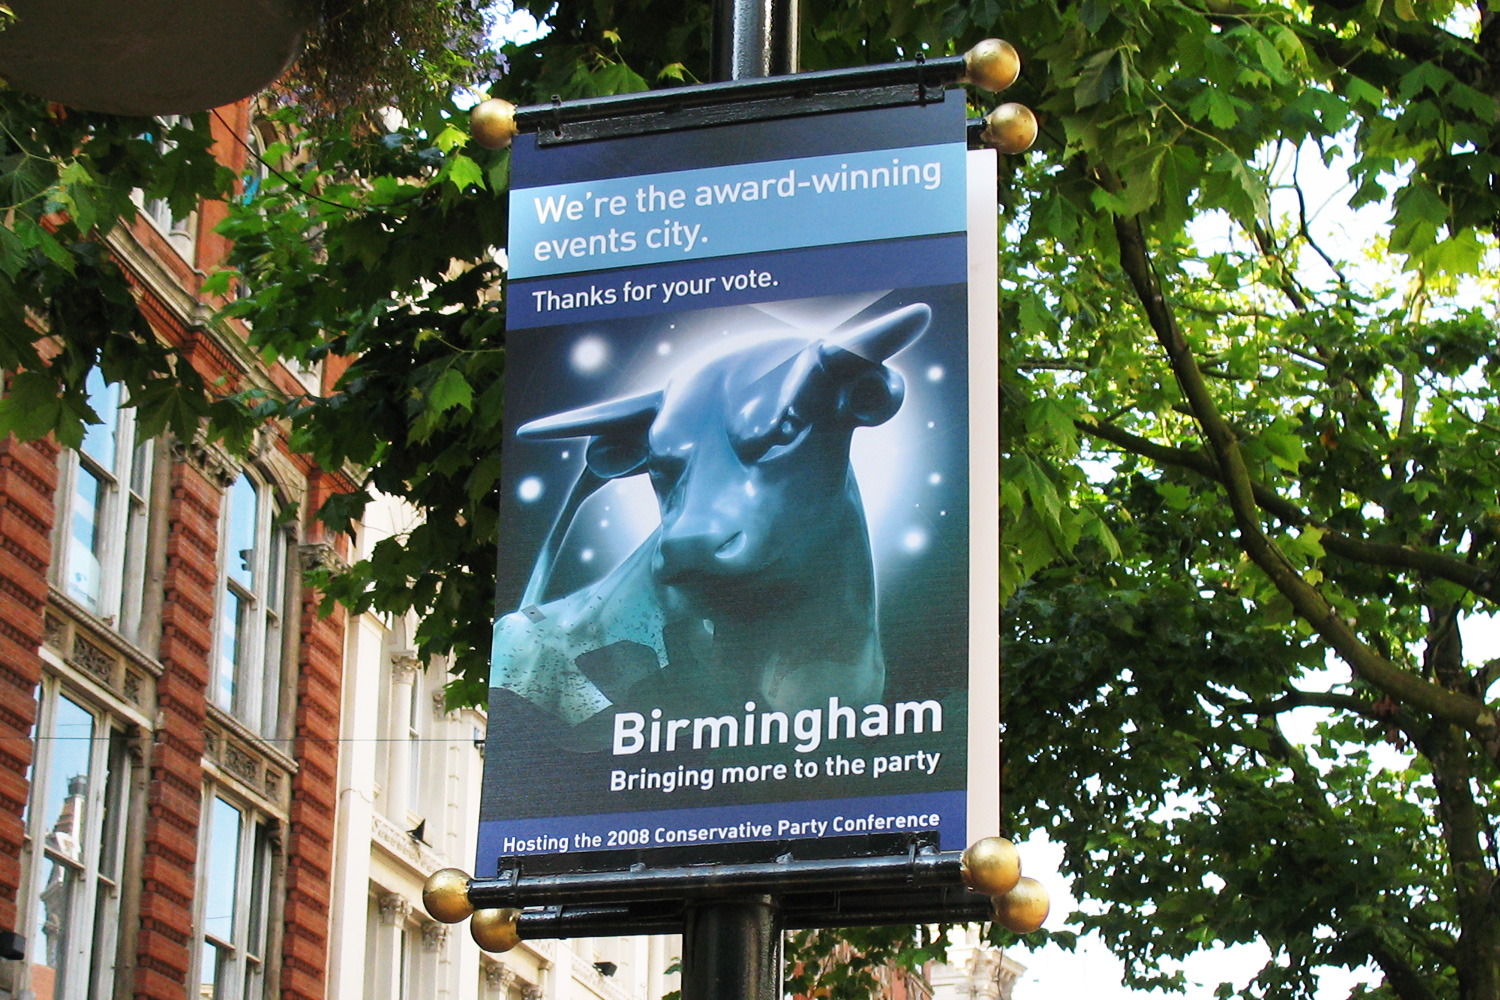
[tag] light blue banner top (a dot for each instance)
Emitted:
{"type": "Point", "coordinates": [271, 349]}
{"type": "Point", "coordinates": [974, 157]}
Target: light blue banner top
{"type": "Point", "coordinates": [744, 208]}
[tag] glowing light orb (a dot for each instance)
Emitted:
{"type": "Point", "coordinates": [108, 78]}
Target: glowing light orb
{"type": "Point", "coordinates": [589, 355]}
{"type": "Point", "coordinates": [529, 489]}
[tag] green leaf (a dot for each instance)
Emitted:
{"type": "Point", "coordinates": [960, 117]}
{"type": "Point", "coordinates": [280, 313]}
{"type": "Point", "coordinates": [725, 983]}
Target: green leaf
{"type": "Point", "coordinates": [1359, 90]}
{"type": "Point", "coordinates": [464, 172]}
{"type": "Point", "coordinates": [1103, 75]}
{"type": "Point", "coordinates": [217, 283]}
{"type": "Point", "coordinates": [450, 138]}
{"type": "Point", "coordinates": [450, 390]}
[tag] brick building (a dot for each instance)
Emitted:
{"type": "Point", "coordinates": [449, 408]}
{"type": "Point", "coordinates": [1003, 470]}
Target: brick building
{"type": "Point", "coordinates": [207, 791]}
{"type": "Point", "coordinates": [169, 697]}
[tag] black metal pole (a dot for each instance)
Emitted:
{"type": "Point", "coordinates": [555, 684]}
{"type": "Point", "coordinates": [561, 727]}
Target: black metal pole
{"type": "Point", "coordinates": [754, 38]}
{"type": "Point", "coordinates": [731, 950]}
{"type": "Point", "coordinates": [731, 947]}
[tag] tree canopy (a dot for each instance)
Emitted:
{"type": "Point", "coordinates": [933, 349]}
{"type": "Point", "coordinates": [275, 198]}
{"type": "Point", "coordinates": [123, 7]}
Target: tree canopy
{"type": "Point", "coordinates": [1247, 470]}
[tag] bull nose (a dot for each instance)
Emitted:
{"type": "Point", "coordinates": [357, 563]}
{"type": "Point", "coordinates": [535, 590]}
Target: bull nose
{"type": "Point", "coordinates": [704, 552]}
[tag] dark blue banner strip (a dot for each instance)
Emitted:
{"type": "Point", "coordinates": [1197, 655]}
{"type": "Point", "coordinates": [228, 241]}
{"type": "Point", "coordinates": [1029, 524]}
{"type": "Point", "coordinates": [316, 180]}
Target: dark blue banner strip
{"type": "Point", "coordinates": [752, 142]}
{"type": "Point", "coordinates": [732, 281]}
{"type": "Point", "coordinates": [941, 811]}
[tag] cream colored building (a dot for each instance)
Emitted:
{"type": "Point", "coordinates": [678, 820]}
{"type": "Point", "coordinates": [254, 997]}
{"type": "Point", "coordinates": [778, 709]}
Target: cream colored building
{"type": "Point", "coordinates": [974, 970]}
{"type": "Point", "coordinates": [408, 804]}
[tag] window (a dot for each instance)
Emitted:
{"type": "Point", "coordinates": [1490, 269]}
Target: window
{"type": "Point", "coordinates": [179, 232]}
{"type": "Point", "coordinates": [252, 598]}
{"type": "Point", "coordinates": [74, 821]}
{"type": "Point", "coordinates": [236, 894]}
{"type": "Point", "coordinates": [100, 560]}
{"type": "Point", "coordinates": [256, 170]}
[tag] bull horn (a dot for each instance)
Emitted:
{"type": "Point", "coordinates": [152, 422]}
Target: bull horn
{"type": "Point", "coordinates": [885, 335]}
{"type": "Point", "coordinates": [631, 413]}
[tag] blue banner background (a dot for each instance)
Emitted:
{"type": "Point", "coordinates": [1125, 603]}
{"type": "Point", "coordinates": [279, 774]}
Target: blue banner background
{"type": "Point", "coordinates": [949, 806]}
{"type": "Point", "coordinates": [653, 225]}
{"type": "Point", "coordinates": [796, 274]}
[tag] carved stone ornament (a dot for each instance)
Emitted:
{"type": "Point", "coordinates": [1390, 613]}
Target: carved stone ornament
{"type": "Point", "coordinates": [404, 665]}
{"type": "Point", "coordinates": [434, 936]}
{"type": "Point", "coordinates": [439, 704]}
{"type": "Point", "coordinates": [241, 763]}
{"type": "Point", "coordinates": [321, 555]}
{"type": "Point", "coordinates": [498, 977]}
{"type": "Point", "coordinates": [531, 992]}
{"type": "Point", "coordinates": [54, 631]}
{"type": "Point", "coordinates": [92, 659]}
{"type": "Point", "coordinates": [394, 909]}
{"type": "Point", "coordinates": [213, 460]}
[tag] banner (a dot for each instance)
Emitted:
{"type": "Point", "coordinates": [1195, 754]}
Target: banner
{"type": "Point", "coordinates": [741, 587]}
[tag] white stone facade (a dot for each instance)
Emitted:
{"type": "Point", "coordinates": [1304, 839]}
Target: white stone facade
{"type": "Point", "coordinates": [408, 804]}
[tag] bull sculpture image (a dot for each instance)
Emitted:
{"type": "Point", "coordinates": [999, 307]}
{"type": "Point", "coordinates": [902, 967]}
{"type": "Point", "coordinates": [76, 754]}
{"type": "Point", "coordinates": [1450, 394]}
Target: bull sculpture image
{"type": "Point", "coordinates": [758, 584]}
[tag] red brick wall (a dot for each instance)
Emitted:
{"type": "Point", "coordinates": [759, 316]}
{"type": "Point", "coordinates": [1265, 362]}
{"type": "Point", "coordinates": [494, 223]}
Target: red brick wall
{"type": "Point", "coordinates": [310, 848]}
{"type": "Point", "coordinates": [166, 944]}
{"type": "Point", "coordinates": [28, 479]}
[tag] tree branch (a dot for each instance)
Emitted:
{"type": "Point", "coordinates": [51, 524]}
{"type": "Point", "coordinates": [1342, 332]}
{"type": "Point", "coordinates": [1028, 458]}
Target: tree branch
{"type": "Point", "coordinates": [1400, 975]}
{"type": "Point", "coordinates": [1481, 582]}
{"type": "Point", "coordinates": [1454, 707]}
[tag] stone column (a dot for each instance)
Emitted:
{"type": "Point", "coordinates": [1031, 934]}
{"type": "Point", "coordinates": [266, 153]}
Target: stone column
{"type": "Point", "coordinates": [404, 665]}
{"type": "Point", "coordinates": [394, 909]}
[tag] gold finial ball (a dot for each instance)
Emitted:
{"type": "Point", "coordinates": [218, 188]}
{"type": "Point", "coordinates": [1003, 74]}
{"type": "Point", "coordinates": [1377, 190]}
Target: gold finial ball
{"type": "Point", "coordinates": [1010, 128]}
{"type": "Point", "coordinates": [993, 64]}
{"type": "Point", "coordinates": [495, 930]}
{"type": "Point", "coordinates": [492, 123]}
{"type": "Point", "coordinates": [991, 866]}
{"type": "Point", "coordinates": [1024, 908]}
{"type": "Point", "coordinates": [446, 895]}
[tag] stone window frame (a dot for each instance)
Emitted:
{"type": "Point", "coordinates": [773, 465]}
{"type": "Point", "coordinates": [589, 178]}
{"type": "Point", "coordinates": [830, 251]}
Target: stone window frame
{"type": "Point", "coordinates": [180, 234]}
{"type": "Point", "coordinates": [91, 921]}
{"type": "Point", "coordinates": [249, 684]}
{"type": "Point", "coordinates": [243, 949]}
{"type": "Point", "coordinates": [122, 516]}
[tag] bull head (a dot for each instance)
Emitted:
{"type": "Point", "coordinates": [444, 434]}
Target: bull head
{"type": "Point", "coordinates": [749, 453]}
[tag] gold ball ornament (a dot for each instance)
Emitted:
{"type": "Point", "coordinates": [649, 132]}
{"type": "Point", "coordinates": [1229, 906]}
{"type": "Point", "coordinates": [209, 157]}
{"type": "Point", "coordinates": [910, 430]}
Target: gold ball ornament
{"type": "Point", "coordinates": [993, 64]}
{"type": "Point", "coordinates": [495, 930]}
{"type": "Point", "coordinates": [492, 123]}
{"type": "Point", "coordinates": [446, 895]}
{"type": "Point", "coordinates": [991, 866]}
{"type": "Point", "coordinates": [1010, 128]}
{"type": "Point", "coordinates": [1024, 908]}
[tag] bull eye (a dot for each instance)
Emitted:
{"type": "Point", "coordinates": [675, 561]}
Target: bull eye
{"type": "Point", "coordinates": [786, 436]}
{"type": "Point", "coordinates": [665, 470]}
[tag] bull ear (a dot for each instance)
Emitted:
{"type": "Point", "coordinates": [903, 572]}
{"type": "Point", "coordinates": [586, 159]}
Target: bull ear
{"type": "Point", "coordinates": [618, 429]}
{"type": "Point", "coordinates": [872, 397]}
{"type": "Point", "coordinates": [881, 337]}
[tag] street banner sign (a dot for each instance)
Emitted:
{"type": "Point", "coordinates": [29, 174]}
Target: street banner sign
{"type": "Point", "coordinates": [747, 584]}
